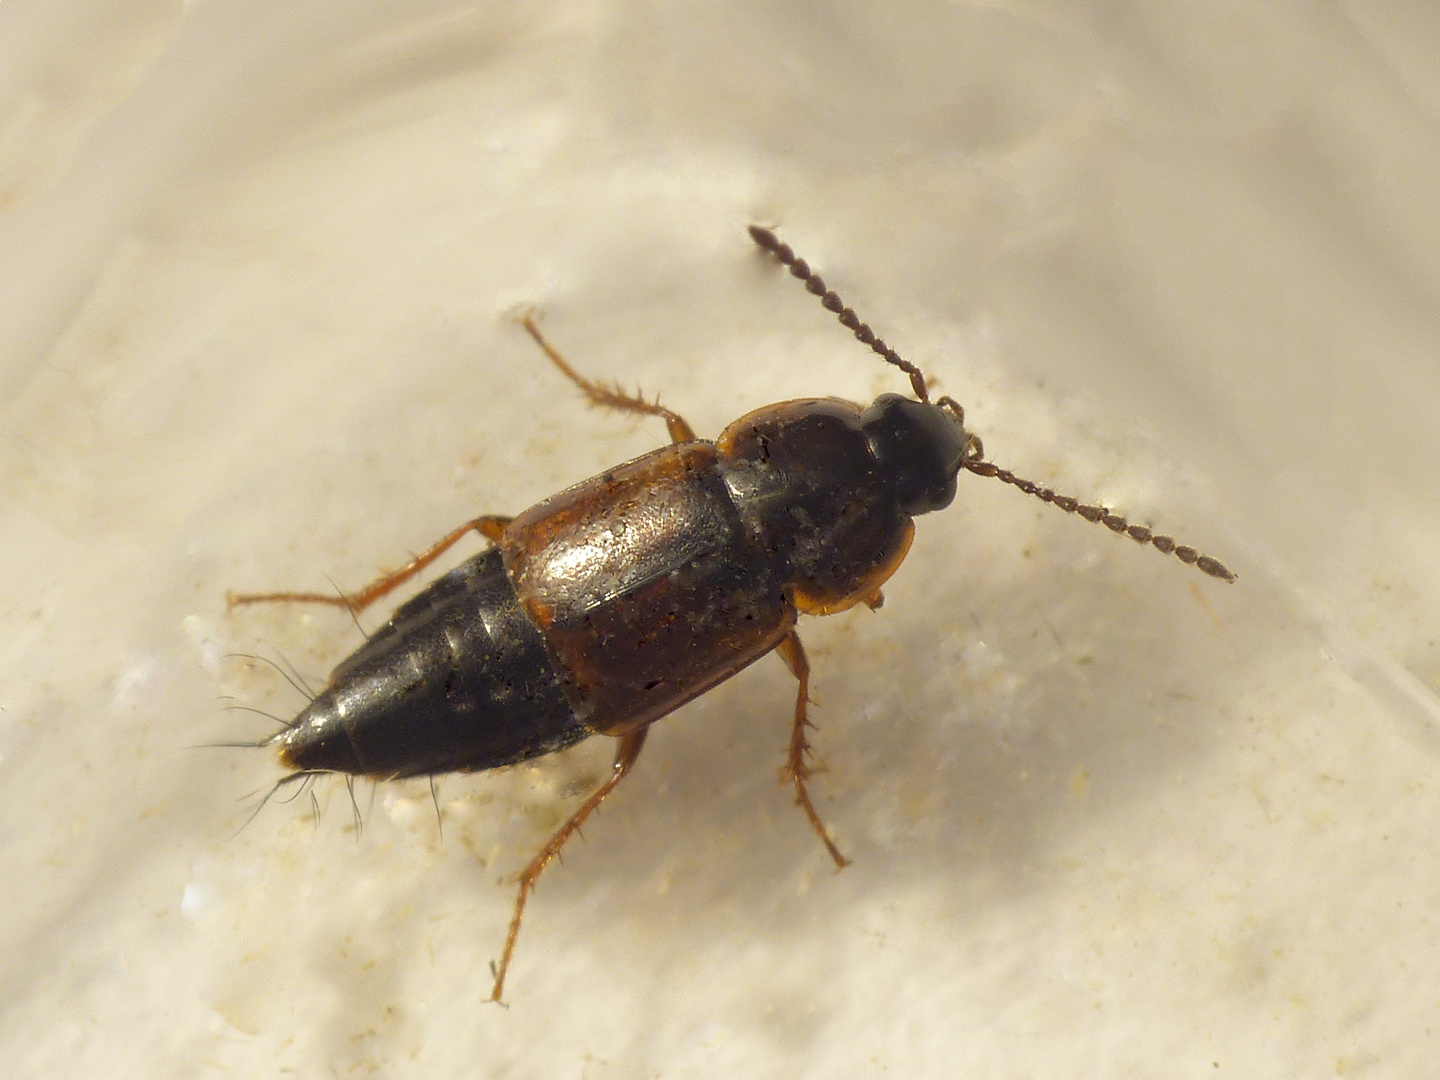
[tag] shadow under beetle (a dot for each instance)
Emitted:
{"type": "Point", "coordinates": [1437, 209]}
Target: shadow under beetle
{"type": "Point", "coordinates": [611, 604]}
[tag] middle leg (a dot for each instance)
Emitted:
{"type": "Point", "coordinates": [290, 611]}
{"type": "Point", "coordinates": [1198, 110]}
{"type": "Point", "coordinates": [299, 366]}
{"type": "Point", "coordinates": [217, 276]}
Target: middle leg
{"type": "Point", "coordinates": [611, 397]}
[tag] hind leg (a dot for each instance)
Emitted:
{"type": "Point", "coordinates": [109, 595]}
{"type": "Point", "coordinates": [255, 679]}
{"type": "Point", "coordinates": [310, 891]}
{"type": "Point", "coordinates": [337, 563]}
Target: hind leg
{"type": "Point", "coordinates": [625, 755]}
{"type": "Point", "coordinates": [491, 526]}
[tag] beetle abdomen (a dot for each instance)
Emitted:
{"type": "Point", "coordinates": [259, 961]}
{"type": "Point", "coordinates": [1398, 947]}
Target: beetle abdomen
{"type": "Point", "coordinates": [458, 679]}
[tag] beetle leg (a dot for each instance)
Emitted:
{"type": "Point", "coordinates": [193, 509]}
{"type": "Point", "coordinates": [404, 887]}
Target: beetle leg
{"type": "Point", "coordinates": [797, 770]}
{"type": "Point", "coordinates": [625, 755]}
{"type": "Point", "coordinates": [612, 397]}
{"type": "Point", "coordinates": [491, 526]}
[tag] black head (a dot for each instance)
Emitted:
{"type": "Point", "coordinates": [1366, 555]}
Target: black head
{"type": "Point", "coordinates": [920, 447]}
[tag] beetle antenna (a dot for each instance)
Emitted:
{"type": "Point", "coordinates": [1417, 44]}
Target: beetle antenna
{"type": "Point", "coordinates": [974, 450]}
{"type": "Point", "coordinates": [1102, 515]}
{"type": "Point", "coordinates": [815, 284]}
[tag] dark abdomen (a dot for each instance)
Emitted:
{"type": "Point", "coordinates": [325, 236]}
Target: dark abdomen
{"type": "Point", "coordinates": [458, 679]}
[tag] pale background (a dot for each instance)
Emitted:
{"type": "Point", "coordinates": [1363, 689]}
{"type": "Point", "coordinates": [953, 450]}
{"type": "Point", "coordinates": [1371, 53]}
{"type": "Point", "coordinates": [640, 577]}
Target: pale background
{"type": "Point", "coordinates": [1109, 818]}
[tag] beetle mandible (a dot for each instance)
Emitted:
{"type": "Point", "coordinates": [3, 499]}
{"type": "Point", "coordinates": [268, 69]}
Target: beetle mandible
{"type": "Point", "coordinates": [613, 603]}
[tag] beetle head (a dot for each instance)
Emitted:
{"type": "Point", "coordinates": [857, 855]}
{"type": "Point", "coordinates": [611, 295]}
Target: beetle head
{"type": "Point", "coordinates": [919, 446]}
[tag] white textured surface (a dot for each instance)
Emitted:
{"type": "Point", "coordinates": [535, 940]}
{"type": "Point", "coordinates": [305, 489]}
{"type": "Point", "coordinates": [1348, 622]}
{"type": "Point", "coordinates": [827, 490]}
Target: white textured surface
{"type": "Point", "coordinates": [1109, 818]}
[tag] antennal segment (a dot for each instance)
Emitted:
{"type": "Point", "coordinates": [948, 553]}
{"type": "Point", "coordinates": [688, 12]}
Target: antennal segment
{"type": "Point", "coordinates": [815, 284]}
{"type": "Point", "coordinates": [1101, 515]}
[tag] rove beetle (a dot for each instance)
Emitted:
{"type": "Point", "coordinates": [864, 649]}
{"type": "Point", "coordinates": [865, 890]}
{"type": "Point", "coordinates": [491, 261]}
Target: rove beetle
{"type": "Point", "coordinates": [612, 604]}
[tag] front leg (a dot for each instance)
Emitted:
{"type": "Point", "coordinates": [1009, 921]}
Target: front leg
{"type": "Point", "coordinates": [797, 769]}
